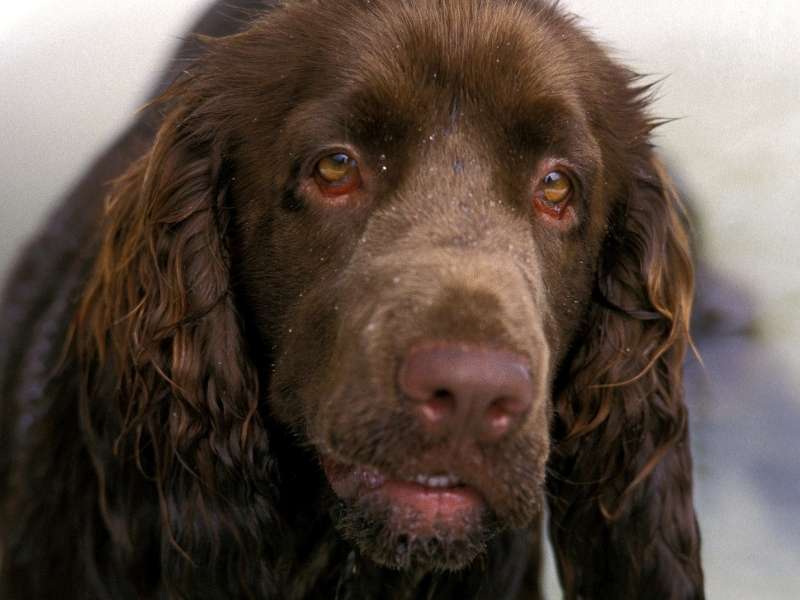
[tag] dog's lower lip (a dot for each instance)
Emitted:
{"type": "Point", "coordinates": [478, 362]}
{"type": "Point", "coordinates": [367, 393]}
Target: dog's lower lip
{"type": "Point", "coordinates": [451, 506]}
{"type": "Point", "coordinates": [433, 500]}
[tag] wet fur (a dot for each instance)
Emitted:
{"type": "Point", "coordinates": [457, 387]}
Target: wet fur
{"type": "Point", "coordinates": [169, 386]}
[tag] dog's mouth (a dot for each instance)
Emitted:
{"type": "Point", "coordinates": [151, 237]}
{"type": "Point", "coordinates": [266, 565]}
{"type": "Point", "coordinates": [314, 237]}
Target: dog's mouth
{"type": "Point", "coordinates": [425, 503]}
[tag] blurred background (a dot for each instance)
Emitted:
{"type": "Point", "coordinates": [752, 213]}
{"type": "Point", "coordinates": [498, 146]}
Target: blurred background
{"type": "Point", "coordinates": [73, 74]}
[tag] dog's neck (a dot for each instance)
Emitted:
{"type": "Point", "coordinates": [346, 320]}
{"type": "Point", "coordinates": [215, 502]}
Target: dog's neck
{"type": "Point", "coordinates": [336, 570]}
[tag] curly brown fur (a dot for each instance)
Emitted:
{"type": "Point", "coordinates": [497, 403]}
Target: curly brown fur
{"type": "Point", "coordinates": [225, 333]}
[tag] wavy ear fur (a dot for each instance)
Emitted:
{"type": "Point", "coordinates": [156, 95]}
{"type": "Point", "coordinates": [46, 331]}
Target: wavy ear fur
{"type": "Point", "coordinates": [169, 401]}
{"type": "Point", "coordinates": [620, 479]}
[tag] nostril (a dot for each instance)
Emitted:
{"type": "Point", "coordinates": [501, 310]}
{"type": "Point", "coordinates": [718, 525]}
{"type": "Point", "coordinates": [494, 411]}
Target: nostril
{"type": "Point", "coordinates": [439, 407]}
{"type": "Point", "coordinates": [499, 415]}
{"type": "Point", "coordinates": [498, 408]}
{"type": "Point", "coordinates": [513, 406]}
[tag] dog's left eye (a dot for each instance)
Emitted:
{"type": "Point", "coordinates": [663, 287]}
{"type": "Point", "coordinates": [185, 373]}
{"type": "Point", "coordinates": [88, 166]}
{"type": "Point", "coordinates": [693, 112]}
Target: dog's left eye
{"type": "Point", "coordinates": [337, 174]}
{"type": "Point", "coordinates": [553, 193]}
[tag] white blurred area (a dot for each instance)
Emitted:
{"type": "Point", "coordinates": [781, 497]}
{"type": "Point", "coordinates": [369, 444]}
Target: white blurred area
{"type": "Point", "coordinates": [72, 75]}
{"type": "Point", "coordinates": [733, 81]}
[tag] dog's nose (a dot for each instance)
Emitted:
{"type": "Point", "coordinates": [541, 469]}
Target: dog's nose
{"type": "Point", "coordinates": [467, 391]}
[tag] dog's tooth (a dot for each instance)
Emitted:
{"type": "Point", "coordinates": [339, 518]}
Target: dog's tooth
{"type": "Point", "coordinates": [436, 481]}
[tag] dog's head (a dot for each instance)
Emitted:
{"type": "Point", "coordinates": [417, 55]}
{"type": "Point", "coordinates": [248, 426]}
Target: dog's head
{"type": "Point", "coordinates": [442, 230]}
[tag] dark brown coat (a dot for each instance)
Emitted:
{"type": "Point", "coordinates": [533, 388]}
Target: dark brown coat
{"type": "Point", "coordinates": [193, 375]}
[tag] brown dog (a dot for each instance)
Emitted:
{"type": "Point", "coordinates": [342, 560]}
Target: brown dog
{"type": "Point", "coordinates": [388, 275]}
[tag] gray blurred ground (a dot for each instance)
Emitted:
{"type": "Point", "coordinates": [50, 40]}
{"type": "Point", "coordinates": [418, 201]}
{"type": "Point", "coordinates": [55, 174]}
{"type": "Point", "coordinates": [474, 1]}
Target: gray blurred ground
{"type": "Point", "coordinates": [72, 73]}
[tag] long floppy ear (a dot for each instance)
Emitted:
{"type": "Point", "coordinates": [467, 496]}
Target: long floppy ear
{"type": "Point", "coordinates": [622, 519]}
{"type": "Point", "coordinates": [170, 398]}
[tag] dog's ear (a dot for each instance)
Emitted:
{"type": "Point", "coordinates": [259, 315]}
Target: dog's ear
{"type": "Point", "coordinates": [622, 519]}
{"type": "Point", "coordinates": [170, 396]}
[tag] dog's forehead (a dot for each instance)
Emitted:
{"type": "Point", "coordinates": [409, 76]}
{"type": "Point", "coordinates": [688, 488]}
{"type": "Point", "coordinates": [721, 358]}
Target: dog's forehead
{"type": "Point", "coordinates": [412, 58]}
{"type": "Point", "coordinates": [492, 56]}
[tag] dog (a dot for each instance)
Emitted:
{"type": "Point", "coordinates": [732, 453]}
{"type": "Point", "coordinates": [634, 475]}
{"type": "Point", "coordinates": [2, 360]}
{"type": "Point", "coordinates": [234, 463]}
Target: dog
{"type": "Point", "coordinates": [375, 282]}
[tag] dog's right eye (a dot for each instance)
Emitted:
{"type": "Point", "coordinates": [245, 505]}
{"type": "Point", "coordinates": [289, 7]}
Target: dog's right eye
{"type": "Point", "coordinates": [337, 174]}
{"type": "Point", "coordinates": [556, 188]}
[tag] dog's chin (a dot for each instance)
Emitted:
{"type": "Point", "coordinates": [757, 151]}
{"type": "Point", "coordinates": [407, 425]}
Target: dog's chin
{"type": "Point", "coordinates": [399, 537]}
{"type": "Point", "coordinates": [431, 523]}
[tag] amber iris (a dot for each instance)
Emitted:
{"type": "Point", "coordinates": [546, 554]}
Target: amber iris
{"type": "Point", "coordinates": [556, 187]}
{"type": "Point", "coordinates": [337, 174]}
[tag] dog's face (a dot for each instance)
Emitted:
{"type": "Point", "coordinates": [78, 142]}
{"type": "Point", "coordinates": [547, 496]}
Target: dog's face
{"type": "Point", "coordinates": [421, 192]}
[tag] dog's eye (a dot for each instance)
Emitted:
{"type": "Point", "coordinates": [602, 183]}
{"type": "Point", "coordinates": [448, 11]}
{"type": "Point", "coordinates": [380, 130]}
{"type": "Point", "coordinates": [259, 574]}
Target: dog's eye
{"type": "Point", "coordinates": [553, 194]}
{"type": "Point", "coordinates": [337, 174]}
{"type": "Point", "coordinates": [556, 188]}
